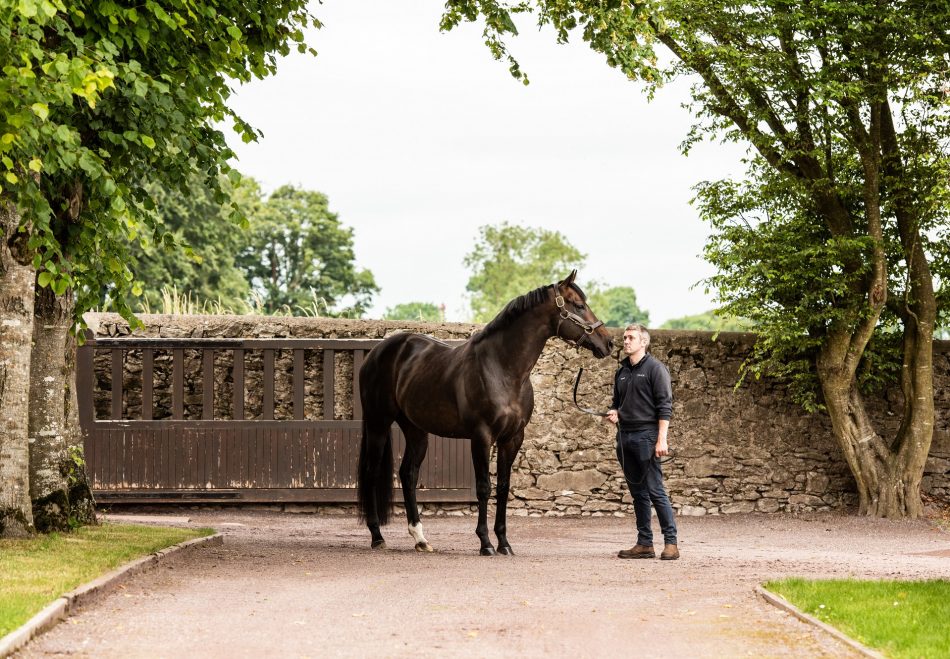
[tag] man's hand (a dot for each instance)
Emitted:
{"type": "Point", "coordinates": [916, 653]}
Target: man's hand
{"type": "Point", "coordinates": [612, 416]}
{"type": "Point", "coordinates": [662, 447]}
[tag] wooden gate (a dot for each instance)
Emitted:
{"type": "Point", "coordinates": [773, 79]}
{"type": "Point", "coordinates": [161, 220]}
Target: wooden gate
{"type": "Point", "coordinates": [167, 420]}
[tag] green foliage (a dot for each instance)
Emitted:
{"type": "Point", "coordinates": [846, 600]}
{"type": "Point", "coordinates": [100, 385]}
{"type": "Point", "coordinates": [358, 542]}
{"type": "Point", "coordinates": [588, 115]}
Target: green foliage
{"type": "Point", "coordinates": [197, 240]}
{"type": "Point", "coordinates": [899, 618]}
{"type": "Point", "coordinates": [99, 98]}
{"type": "Point", "coordinates": [74, 466]}
{"type": "Point", "coordinates": [509, 260]}
{"type": "Point", "coordinates": [422, 311]}
{"type": "Point", "coordinates": [844, 106]}
{"type": "Point", "coordinates": [299, 252]}
{"type": "Point", "coordinates": [295, 251]}
{"type": "Point", "coordinates": [709, 321]}
{"type": "Point", "coordinates": [617, 306]}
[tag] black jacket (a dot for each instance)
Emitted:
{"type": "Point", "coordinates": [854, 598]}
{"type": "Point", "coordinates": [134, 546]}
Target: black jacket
{"type": "Point", "coordinates": [642, 393]}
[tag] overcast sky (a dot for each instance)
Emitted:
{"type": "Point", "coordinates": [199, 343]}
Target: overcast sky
{"type": "Point", "coordinates": [419, 138]}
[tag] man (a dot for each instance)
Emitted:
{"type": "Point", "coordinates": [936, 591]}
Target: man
{"type": "Point", "coordinates": [641, 408]}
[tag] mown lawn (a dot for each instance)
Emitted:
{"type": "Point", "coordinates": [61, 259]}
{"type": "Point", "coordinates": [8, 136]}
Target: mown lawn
{"type": "Point", "coordinates": [36, 571]}
{"type": "Point", "coordinates": [897, 618]}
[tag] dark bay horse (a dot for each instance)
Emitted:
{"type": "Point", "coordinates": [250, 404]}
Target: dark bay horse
{"type": "Point", "coordinates": [479, 390]}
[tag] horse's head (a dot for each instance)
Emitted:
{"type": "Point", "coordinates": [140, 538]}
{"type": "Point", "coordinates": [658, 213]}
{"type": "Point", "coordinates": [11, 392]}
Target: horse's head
{"type": "Point", "coordinates": [576, 323]}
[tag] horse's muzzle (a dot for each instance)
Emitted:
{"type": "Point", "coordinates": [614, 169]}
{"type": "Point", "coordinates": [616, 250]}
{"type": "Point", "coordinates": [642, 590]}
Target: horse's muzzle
{"type": "Point", "coordinates": [600, 346]}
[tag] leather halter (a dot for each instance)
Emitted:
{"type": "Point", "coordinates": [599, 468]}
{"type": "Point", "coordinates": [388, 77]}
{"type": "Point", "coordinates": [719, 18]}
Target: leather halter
{"type": "Point", "coordinates": [564, 314]}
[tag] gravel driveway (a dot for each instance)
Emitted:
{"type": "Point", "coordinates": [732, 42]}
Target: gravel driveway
{"type": "Point", "coordinates": [303, 585]}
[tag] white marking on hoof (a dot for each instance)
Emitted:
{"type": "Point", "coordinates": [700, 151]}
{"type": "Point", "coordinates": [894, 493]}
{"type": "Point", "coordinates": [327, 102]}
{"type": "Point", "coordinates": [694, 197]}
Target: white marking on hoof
{"type": "Point", "coordinates": [421, 543]}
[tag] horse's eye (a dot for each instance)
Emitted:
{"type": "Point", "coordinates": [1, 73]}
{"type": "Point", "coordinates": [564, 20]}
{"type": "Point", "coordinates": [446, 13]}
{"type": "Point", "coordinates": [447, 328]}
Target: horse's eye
{"type": "Point", "coordinates": [580, 307]}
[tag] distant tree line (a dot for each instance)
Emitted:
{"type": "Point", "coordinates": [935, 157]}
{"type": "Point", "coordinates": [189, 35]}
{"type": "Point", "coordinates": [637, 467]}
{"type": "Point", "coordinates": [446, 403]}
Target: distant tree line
{"type": "Point", "coordinates": [292, 254]}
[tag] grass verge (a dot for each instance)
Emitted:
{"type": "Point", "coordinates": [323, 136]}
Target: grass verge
{"type": "Point", "coordinates": [36, 571]}
{"type": "Point", "coordinates": [898, 618]}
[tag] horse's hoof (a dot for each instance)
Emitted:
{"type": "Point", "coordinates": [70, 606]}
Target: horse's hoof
{"type": "Point", "coordinates": [487, 551]}
{"type": "Point", "coordinates": [506, 551]}
{"type": "Point", "coordinates": [424, 546]}
{"type": "Point", "coordinates": [379, 544]}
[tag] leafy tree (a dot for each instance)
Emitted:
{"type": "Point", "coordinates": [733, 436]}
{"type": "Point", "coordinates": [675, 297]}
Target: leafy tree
{"type": "Point", "coordinates": [708, 321]}
{"type": "Point", "coordinates": [424, 311]}
{"type": "Point", "coordinates": [844, 107]}
{"type": "Point", "coordinates": [508, 260]}
{"type": "Point", "coordinates": [197, 244]}
{"type": "Point", "coordinates": [299, 252]}
{"type": "Point", "coordinates": [617, 307]}
{"type": "Point", "coordinates": [97, 98]}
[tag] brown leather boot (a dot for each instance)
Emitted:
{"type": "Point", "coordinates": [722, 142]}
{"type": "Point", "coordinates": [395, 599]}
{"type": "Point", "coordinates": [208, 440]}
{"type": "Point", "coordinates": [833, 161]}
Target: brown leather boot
{"type": "Point", "coordinates": [670, 553]}
{"type": "Point", "coordinates": [637, 551]}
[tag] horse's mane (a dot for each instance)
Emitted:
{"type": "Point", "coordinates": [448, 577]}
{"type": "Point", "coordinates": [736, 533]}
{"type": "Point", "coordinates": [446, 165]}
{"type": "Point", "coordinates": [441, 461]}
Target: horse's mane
{"type": "Point", "coordinates": [518, 306]}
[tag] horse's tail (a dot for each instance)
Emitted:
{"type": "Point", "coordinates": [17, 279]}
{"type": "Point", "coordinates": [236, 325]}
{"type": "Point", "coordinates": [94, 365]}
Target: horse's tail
{"type": "Point", "coordinates": [374, 480]}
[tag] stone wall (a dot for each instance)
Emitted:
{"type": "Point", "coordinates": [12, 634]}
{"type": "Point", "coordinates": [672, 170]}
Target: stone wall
{"type": "Point", "coordinates": [736, 450]}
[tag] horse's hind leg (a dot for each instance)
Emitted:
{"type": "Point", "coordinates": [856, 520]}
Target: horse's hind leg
{"type": "Point", "coordinates": [377, 444]}
{"type": "Point", "coordinates": [481, 448]}
{"type": "Point", "coordinates": [417, 442]}
{"type": "Point", "coordinates": [506, 457]}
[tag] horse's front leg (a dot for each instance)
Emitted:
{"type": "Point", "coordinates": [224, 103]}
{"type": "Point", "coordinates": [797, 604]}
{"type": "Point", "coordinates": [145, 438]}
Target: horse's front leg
{"type": "Point", "coordinates": [507, 451]}
{"type": "Point", "coordinates": [481, 447]}
{"type": "Point", "coordinates": [417, 441]}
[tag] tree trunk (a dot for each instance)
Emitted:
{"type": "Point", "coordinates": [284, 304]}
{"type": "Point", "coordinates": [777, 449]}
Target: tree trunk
{"type": "Point", "coordinates": [81, 501]}
{"type": "Point", "coordinates": [887, 476]}
{"type": "Point", "coordinates": [16, 333]}
{"type": "Point", "coordinates": [61, 496]}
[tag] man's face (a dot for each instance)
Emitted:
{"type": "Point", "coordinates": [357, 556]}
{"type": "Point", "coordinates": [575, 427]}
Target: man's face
{"type": "Point", "coordinates": [632, 342]}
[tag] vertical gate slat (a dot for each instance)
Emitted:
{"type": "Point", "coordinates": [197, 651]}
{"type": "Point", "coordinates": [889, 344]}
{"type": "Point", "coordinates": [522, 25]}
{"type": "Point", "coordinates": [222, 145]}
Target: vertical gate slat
{"type": "Point", "coordinates": [157, 451]}
{"type": "Point", "coordinates": [221, 458]}
{"type": "Point", "coordinates": [192, 473]}
{"type": "Point", "coordinates": [207, 384]}
{"type": "Point", "coordinates": [123, 470]}
{"type": "Point", "coordinates": [148, 363]}
{"type": "Point", "coordinates": [310, 463]}
{"type": "Point", "coordinates": [296, 474]}
{"type": "Point", "coordinates": [323, 456]}
{"type": "Point", "coordinates": [298, 384]}
{"type": "Point", "coordinates": [238, 377]}
{"type": "Point", "coordinates": [271, 449]}
{"type": "Point", "coordinates": [168, 465]}
{"type": "Point", "coordinates": [243, 463]}
{"type": "Point", "coordinates": [117, 383]}
{"type": "Point", "coordinates": [180, 448]}
{"type": "Point", "coordinates": [200, 449]}
{"type": "Point", "coordinates": [135, 457]}
{"type": "Point", "coordinates": [328, 377]}
{"type": "Point", "coordinates": [357, 401]}
{"type": "Point", "coordinates": [178, 384]}
{"type": "Point", "coordinates": [283, 459]}
{"type": "Point", "coordinates": [268, 403]}
{"type": "Point", "coordinates": [253, 460]}
{"type": "Point", "coordinates": [263, 473]}
{"type": "Point", "coordinates": [229, 464]}
{"type": "Point", "coordinates": [107, 473]}
{"type": "Point", "coordinates": [85, 386]}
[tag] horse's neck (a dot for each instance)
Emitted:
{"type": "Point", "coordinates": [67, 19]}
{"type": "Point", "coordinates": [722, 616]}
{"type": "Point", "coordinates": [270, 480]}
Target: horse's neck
{"type": "Point", "coordinates": [516, 348]}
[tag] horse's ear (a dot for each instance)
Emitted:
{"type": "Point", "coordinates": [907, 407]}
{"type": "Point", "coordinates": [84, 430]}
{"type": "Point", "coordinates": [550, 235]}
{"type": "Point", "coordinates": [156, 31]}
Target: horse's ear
{"type": "Point", "coordinates": [570, 277]}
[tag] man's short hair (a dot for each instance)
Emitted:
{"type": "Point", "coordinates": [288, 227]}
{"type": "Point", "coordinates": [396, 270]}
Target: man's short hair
{"type": "Point", "coordinates": [641, 330]}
